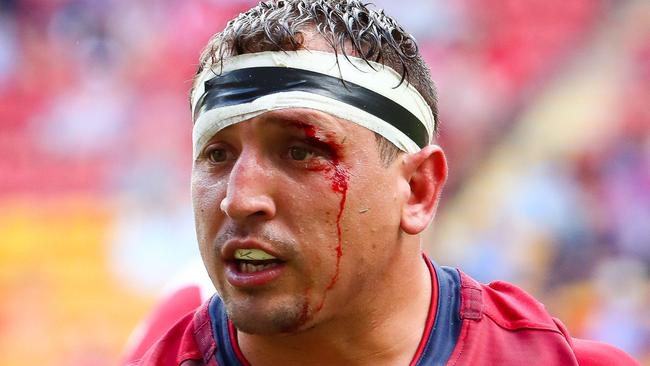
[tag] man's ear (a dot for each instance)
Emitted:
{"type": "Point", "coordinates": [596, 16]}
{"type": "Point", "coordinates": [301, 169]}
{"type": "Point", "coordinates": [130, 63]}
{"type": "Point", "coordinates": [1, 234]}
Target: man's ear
{"type": "Point", "coordinates": [426, 173]}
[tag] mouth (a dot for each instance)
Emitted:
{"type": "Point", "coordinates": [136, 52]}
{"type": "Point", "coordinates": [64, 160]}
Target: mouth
{"type": "Point", "coordinates": [252, 268]}
{"type": "Point", "coordinates": [254, 260]}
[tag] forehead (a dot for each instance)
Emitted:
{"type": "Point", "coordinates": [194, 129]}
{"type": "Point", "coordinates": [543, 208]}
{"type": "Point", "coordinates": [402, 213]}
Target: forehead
{"type": "Point", "coordinates": [313, 123]}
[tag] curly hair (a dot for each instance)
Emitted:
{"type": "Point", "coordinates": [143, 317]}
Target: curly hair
{"type": "Point", "coordinates": [280, 25]}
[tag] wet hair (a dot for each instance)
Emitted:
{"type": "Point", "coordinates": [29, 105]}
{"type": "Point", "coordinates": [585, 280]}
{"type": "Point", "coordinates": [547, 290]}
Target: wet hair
{"type": "Point", "coordinates": [350, 27]}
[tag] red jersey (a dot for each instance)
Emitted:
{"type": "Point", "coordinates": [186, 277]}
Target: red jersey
{"type": "Point", "coordinates": [468, 324]}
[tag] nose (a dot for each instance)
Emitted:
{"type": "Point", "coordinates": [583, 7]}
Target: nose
{"type": "Point", "coordinates": [249, 191]}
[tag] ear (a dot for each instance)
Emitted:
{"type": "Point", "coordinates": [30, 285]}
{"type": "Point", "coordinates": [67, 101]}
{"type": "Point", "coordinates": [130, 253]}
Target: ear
{"type": "Point", "coordinates": [426, 173]}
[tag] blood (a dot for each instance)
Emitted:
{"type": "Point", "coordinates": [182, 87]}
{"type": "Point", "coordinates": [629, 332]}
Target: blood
{"type": "Point", "coordinates": [304, 312]}
{"type": "Point", "coordinates": [310, 131]}
{"type": "Point", "coordinates": [339, 178]}
{"type": "Point", "coordinates": [339, 185]}
{"type": "Point", "coordinates": [339, 181]}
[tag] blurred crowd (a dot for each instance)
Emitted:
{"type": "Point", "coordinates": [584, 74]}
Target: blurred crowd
{"type": "Point", "coordinates": [545, 120]}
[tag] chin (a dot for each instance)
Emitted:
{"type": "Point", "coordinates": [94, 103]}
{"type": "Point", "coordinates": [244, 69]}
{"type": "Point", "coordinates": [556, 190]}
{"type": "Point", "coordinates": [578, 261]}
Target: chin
{"type": "Point", "coordinates": [266, 320]}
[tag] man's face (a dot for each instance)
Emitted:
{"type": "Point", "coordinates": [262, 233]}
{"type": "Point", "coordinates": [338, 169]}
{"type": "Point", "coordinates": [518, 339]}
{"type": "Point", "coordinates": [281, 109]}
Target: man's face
{"type": "Point", "coordinates": [296, 217]}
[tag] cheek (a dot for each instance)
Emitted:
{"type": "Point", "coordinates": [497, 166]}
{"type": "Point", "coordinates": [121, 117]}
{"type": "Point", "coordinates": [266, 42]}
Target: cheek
{"type": "Point", "coordinates": [371, 221]}
{"type": "Point", "coordinates": [207, 195]}
{"type": "Point", "coordinates": [311, 207]}
{"type": "Point", "coordinates": [373, 195]}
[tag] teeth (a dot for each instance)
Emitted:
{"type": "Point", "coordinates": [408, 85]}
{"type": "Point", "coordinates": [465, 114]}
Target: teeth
{"type": "Point", "coordinates": [253, 255]}
{"type": "Point", "coordinates": [246, 267]}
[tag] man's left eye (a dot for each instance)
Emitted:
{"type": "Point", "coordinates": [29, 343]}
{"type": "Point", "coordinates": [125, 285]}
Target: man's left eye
{"type": "Point", "coordinates": [300, 153]}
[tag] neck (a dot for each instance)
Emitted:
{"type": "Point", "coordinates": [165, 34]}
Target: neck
{"type": "Point", "coordinates": [387, 329]}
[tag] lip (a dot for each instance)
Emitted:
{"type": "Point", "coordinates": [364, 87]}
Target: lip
{"type": "Point", "coordinates": [253, 279]}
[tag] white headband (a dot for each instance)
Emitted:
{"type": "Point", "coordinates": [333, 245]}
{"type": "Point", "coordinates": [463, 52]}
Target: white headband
{"type": "Point", "coordinates": [382, 80]}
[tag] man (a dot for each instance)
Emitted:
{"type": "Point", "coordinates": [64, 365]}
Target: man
{"type": "Point", "coordinates": [315, 171]}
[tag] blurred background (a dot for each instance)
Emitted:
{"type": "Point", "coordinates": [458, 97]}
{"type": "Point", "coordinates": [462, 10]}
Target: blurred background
{"type": "Point", "coordinates": [545, 108]}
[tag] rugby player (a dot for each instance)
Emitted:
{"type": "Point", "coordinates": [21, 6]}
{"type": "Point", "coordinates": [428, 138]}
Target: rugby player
{"type": "Point", "coordinates": [315, 172]}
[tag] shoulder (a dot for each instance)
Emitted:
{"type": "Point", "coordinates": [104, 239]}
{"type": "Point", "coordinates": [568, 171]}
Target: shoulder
{"type": "Point", "coordinates": [515, 309]}
{"type": "Point", "coordinates": [592, 353]}
{"type": "Point", "coordinates": [520, 318]}
{"type": "Point", "coordinates": [176, 304]}
{"type": "Point", "coordinates": [511, 307]}
{"type": "Point", "coordinates": [184, 343]}
{"type": "Point", "coordinates": [175, 346]}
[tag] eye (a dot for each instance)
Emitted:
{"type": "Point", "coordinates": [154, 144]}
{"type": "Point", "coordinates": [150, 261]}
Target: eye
{"type": "Point", "coordinates": [300, 153]}
{"type": "Point", "coordinates": [216, 154]}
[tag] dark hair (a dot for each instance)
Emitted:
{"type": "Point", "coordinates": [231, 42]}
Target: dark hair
{"type": "Point", "coordinates": [279, 25]}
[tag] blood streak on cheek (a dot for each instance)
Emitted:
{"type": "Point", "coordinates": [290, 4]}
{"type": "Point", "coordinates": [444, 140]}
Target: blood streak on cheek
{"type": "Point", "coordinates": [304, 312]}
{"type": "Point", "coordinates": [340, 185]}
{"type": "Point", "coordinates": [339, 178]}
